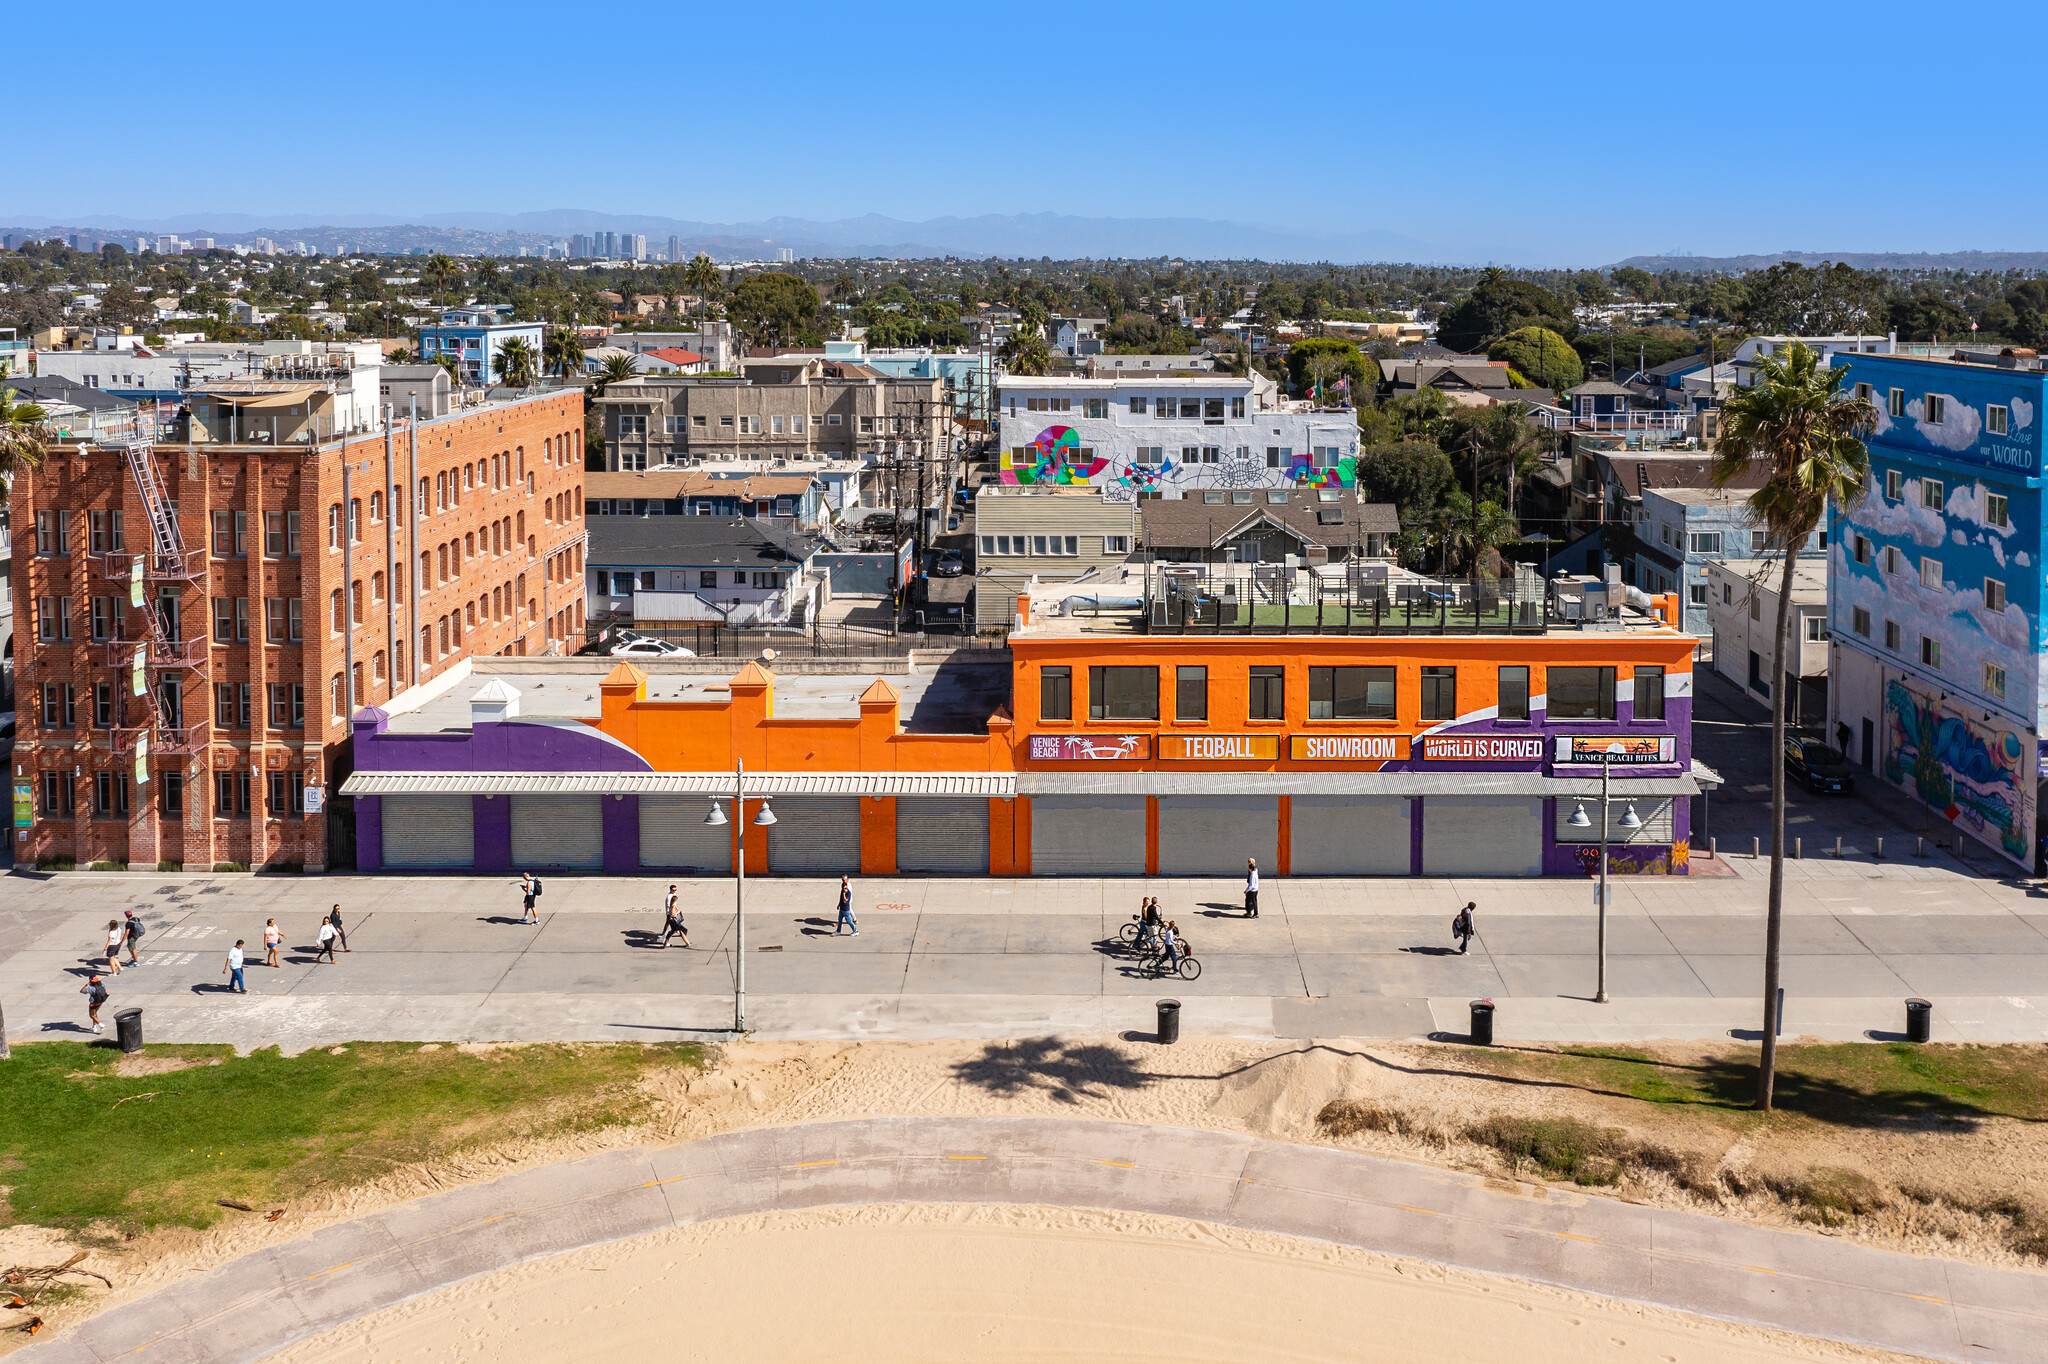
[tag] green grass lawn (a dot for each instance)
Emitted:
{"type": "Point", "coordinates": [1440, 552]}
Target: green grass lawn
{"type": "Point", "coordinates": [266, 1127]}
{"type": "Point", "coordinates": [1849, 1084]}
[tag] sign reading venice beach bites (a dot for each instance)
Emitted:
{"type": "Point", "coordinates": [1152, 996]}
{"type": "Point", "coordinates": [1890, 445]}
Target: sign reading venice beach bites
{"type": "Point", "coordinates": [1618, 750]}
{"type": "Point", "coordinates": [1225, 748]}
{"type": "Point", "coordinates": [1090, 748]}
{"type": "Point", "coordinates": [1348, 748]}
{"type": "Point", "coordinates": [1483, 748]}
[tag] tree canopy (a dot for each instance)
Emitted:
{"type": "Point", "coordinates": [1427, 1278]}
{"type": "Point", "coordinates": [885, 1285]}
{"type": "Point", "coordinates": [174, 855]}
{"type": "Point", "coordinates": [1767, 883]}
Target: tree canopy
{"type": "Point", "coordinates": [774, 309]}
{"type": "Point", "coordinates": [1541, 356]}
{"type": "Point", "coordinates": [1499, 305]}
{"type": "Point", "coordinates": [1822, 300]}
{"type": "Point", "coordinates": [1326, 359]}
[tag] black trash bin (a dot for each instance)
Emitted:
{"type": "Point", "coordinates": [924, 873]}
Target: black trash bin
{"type": "Point", "coordinates": [1482, 1023]}
{"type": "Point", "coordinates": [1919, 1020]}
{"type": "Point", "coordinates": [1169, 1021]}
{"type": "Point", "coordinates": [128, 1027]}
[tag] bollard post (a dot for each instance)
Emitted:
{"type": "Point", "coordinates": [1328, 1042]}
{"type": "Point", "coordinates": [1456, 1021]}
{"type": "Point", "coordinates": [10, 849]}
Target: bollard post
{"type": "Point", "coordinates": [1838, 845]}
{"type": "Point", "coordinates": [1756, 847]}
{"type": "Point", "coordinates": [1880, 850]}
{"type": "Point", "coordinates": [1714, 848]}
{"type": "Point", "coordinates": [1798, 850]}
{"type": "Point", "coordinates": [1919, 845]}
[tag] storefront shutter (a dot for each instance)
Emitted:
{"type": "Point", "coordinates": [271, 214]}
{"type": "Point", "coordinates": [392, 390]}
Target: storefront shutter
{"type": "Point", "coordinates": [1213, 835]}
{"type": "Point", "coordinates": [1088, 836]}
{"type": "Point", "coordinates": [1482, 836]}
{"type": "Point", "coordinates": [674, 836]}
{"type": "Point", "coordinates": [942, 834]}
{"type": "Point", "coordinates": [814, 834]}
{"type": "Point", "coordinates": [423, 832]}
{"type": "Point", "coordinates": [1348, 836]}
{"type": "Point", "coordinates": [557, 831]}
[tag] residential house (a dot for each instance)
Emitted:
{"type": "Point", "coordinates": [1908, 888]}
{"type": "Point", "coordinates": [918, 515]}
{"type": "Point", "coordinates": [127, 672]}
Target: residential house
{"type": "Point", "coordinates": [1104, 366]}
{"type": "Point", "coordinates": [1742, 620]}
{"type": "Point", "coordinates": [1029, 532]}
{"type": "Point", "coordinates": [1681, 532]}
{"type": "Point", "coordinates": [1310, 526]}
{"type": "Point", "coordinates": [794, 499]}
{"type": "Point", "coordinates": [969, 377]}
{"type": "Point", "coordinates": [715, 341]}
{"type": "Point", "coordinates": [410, 389]}
{"type": "Point", "coordinates": [1077, 336]}
{"type": "Point", "coordinates": [473, 337]}
{"type": "Point", "coordinates": [721, 570]}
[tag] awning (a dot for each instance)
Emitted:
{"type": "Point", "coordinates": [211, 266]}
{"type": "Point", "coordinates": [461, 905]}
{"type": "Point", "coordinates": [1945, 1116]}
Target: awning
{"type": "Point", "coordinates": [254, 402]}
{"type": "Point", "coordinates": [995, 784]}
{"type": "Point", "coordinates": [1341, 784]}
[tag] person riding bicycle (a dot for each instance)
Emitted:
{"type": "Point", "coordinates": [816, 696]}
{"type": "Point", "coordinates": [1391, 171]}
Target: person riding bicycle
{"type": "Point", "coordinates": [1148, 922]}
{"type": "Point", "coordinates": [1169, 945]}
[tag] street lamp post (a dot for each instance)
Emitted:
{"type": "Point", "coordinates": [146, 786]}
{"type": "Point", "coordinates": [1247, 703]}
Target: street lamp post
{"type": "Point", "coordinates": [764, 817]}
{"type": "Point", "coordinates": [1629, 821]}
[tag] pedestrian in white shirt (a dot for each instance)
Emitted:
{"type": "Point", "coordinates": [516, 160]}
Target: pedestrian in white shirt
{"type": "Point", "coordinates": [1251, 888]}
{"type": "Point", "coordinates": [232, 969]}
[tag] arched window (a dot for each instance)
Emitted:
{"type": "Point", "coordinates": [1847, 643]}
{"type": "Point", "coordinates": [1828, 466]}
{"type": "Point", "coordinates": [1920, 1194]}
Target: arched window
{"type": "Point", "coordinates": [340, 702]}
{"type": "Point", "coordinates": [335, 620]}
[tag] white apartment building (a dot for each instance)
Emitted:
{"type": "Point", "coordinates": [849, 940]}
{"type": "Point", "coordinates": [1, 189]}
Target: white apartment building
{"type": "Point", "coordinates": [1742, 615]}
{"type": "Point", "coordinates": [1162, 435]}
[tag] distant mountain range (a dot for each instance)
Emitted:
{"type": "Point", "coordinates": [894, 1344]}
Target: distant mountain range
{"type": "Point", "coordinates": [1021, 235]}
{"type": "Point", "coordinates": [1861, 260]}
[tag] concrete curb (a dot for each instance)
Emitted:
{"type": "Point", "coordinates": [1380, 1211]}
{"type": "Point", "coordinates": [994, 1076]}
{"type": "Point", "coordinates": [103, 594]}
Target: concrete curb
{"type": "Point", "coordinates": [1783, 1280]}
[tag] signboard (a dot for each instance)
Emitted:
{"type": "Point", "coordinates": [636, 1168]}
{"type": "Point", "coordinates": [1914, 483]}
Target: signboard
{"type": "Point", "coordinates": [1348, 748]}
{"type": "Point", "coordinates": [1090, 748]}
{"type": "Point", "coordinates": [316, 797]}
{"type": "Point", "coordinates": [24, 805]}
{"type": "Point", "coordinates": [1483, 748]}
{"type": "Point", "coordinates": [1242, 748]}
{"type": "Point", "coordinates": [1618, 750]}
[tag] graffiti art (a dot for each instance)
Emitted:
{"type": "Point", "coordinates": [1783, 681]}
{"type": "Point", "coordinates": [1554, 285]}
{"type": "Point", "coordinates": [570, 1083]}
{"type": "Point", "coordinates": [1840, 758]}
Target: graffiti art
{"type": "Point", "coordinates": [1971, 774]}
{"type": "Point", "coordinates": [1058, 460]}
{"type": "Point", "coordinates": [1304, 474]}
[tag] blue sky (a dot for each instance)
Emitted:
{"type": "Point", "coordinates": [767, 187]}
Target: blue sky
{"type": "Point", "coordinates": [1537, 134]}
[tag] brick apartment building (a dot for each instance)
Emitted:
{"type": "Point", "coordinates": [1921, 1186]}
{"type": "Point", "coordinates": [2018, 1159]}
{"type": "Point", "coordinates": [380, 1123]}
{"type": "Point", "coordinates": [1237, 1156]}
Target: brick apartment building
{"type": "Point", "coordinates": [283, 594]}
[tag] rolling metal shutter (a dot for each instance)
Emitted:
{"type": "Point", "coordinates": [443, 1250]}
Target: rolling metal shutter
{"type": "Point", "coordinates": [942, 834]}
{"type": "Point", "coordinates": [1088, 836]}
{"type": "Point", "coordinates": [814, 834]}
{"type": "Point", "coordinates": [673, 834]}
{"type": "Point", "coordinates": [1213, 835]}
{"type": "Point", "coordinates": [557, 831]}
{"type": "Point", "coordinates": [1482, 836]}
{"type": "Point", "coordinates": [1348, 836]}
{"type": "Point", "coordinates": [429, 831]}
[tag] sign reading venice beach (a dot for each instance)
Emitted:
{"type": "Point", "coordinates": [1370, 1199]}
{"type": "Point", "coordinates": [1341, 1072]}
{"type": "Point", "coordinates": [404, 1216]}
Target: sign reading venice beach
{"type": "Point", "coordinates": [1348, 748]}
{"type": "Point", "coordinates": [1090, 748]}
{"type": "Point", "coordinates": [1219, 747]}
{"type": "Point", "coordinates": [1484, 748]}
{"type": "Point", "coordinates": [1619, 750]}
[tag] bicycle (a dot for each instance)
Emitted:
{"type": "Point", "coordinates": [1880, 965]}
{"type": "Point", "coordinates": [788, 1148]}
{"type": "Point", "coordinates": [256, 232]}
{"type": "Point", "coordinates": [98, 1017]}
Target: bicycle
{"type": "Point", "coordinates": [1186, 967]}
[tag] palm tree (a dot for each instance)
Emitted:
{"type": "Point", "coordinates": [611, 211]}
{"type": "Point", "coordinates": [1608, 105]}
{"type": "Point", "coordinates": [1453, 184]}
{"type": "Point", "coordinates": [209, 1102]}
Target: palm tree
{"type": "Point", "coordinates": [703, 279]}
{"type": "Point", "coordinates": [441, 268]}
{"type": "Point", "coordinates": [515, 362]}
{"type": "Point", "coordinates": [563, 350]}
{"type": "Point", "coordinates": [1796, 424]}
{"type": "Point", "coordinates": [1026, 353]}
{"type": "Point", "coordinates": [21, 438]}
{"type": "Point", "coordinates": [1467, 537]}
{"type": "Point", "coordinates": [447, 362]}
{"type": "Point", "coordinates": [616, 369]}
{"type": "Point", "coordinates": [401, 356]}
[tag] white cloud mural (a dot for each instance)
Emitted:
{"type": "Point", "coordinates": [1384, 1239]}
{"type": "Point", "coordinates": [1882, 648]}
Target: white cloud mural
{"type": "Point", "coordinates": [1956, 431]}
{"type": "Point", "coordinates": [1966, 502]}
{"type": "Point", "coordinates": [2022, 413]}
{"type": "Point", "coordinates": [1905, 519]}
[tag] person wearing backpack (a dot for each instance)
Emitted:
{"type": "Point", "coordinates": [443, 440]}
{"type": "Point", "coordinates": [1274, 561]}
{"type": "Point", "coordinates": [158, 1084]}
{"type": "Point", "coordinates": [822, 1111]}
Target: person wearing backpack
{"type": "Point", "coordinates": [529, 887]}
{"type": "Point", "coordinates": [1461, 926]}
{"type": "Point", "coordinates": [95, 992]}
{"type": "Point", "coordinates": [672, 918]}
{"type": "Point", "coordinates": [135, 930]}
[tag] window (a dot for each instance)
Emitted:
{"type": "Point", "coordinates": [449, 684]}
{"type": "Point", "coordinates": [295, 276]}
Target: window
{"type": "Point", "coordinates": [49, 541]}
{"type": "Point", "coordinates": [1859, 621]}
{"type": "Point", "coordinates": [1095, 407]}
{"type": "Point", "coordinates": [287, 706]}
{"type": "Point", "coordinates": [105, 530]}
{"type": "Point", "coordinates": [173, 793]}
{"type": "Point", "coordinates": [1891, 635]}
{"type": "Point", "coordinates": [1513, 690]}
{"type": "Point", "coordinates": [1862, 550]}
{"type": "Point", "coordinates": [1930, 572]}
{"type": "Point", "coordinates": [102, 619]}
{"type": "Point", "coordinates": [1816, 629]}
{"type": "Point", "coordinates": [766, 580]}
{"type": "Point", "coordinates": [333, 528]}
{"type": "Point", "coordinates": [1756, 604]}
{"type": "Point", "coordinates": [59, 706]}
{"type": "Point", "coordinates": [1649, 693]}
{"type": "Point", "coordinates": [1439, 693]}
{"type": "Point", "coordinates": [707, 578]}
{"type": "Point", "coordinates": [1994, 595]}
{"type": "Point", "coordinates": [1055, 693]}
{"type": "Point", "coordinates": [1930, 493]}
{"type": "Point", "coordinates": [831, 419]}
{"type": "Point", "coordinates": [1268, 695]}
{"type": "Point", "coordinates": [231, 793]}
{"type": "Point", "coordinates": [110, 794]}
{"type": "Point", "coordinates": [1896, 402]}
{"type": "Point", "coordinates": [1212, 412]}
{"type": "Point", "coordinates": [1150, 454]}
{"type": "Point", "coordinates": [1937, 409]}
{"type": "Point", "coordinates": [1350, 693]}
{"type": "Point", "coordinates": [1930, 651]}
{"type": "Point", "coordinates": [1664, 531]}
{"type": "Point", "coordinates": [1863, 393]}
{"type": "Point", "coordinates": [223, 620]}
{"type": "Point", "coordinates": [1994, 681]}
{"type": "Point", "coordinates": [355, 521]}
{"type": "Point", "coordinates": [376, 587]}
{"type": "Point", "coordinates": [334, 617]}
{"type": "Point", "coordinates": [1191, 693]}
{"type": "Point", "coordinates": [1123, 693]}
{"type": "Point", "coordinates": [1891, 559]}
{"type": "Point", "coordinates": [58, 798]}
{"type": "Point", "coordinates": [338, 703]}
{"type": "Point", "coordinates": [1138, 407]}
{"type": "Point", "coordinates": [1758, 541]}
{"type": "Point", "coordinates": [1237, 407]}
{"type": "Point", "coordinates": [1580, 693]}
{"type": "Point", "coordinates": [1894, 482]}
{"type": "Point", "coordinates": [287, 793]}
{"type": "Point", "coordinates": [1994, 510]}
{"type": "Point", "coordinates": [1116, 544]}
{"type": "Point", "coordinates": [1995, 420]}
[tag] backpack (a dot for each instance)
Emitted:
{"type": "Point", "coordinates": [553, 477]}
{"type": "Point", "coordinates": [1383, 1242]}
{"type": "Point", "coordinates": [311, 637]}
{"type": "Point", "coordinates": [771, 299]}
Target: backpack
{"type": "Point", "coordinates": [136, 928]}
{"type": "Point", "coordinates": [98, 995]}
{"type": "Point", "coordinates": [536, 887]}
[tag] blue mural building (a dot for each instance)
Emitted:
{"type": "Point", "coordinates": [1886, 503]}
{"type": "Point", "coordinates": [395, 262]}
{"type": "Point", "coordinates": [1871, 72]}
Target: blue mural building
{"type": "Point", "coordinates": [472, 338]}
{"type": "Point", "coordinates": [1934, 592]}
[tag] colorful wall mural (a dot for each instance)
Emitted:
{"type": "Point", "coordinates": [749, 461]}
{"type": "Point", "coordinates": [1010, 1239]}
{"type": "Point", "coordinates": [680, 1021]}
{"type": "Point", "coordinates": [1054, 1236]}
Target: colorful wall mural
{"type": "Point", "coordinates": [1977, 776]}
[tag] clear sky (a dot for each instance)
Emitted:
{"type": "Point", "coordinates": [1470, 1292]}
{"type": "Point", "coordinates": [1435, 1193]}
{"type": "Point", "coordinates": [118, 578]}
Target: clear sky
{"type": "Point", "coordinates": [1526, 133]}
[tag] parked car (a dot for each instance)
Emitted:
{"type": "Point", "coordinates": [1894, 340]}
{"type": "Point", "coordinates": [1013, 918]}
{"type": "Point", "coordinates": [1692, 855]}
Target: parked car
{"type": "Point", "coordinates": [1818, 768]}
{"type": "Point", "coordinates": [949, 565]}
{"type": "Point", "coordinates": [643, 647]}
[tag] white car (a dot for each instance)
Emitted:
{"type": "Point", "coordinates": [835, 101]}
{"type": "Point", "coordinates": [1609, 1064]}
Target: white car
{"type": "Point", "coordinates": [643, 647]}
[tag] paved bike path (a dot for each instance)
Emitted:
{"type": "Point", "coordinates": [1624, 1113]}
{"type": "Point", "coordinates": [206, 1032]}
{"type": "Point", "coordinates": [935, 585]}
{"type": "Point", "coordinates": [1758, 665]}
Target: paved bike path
{"type": "Point", "coordinates": [1791, 1281]}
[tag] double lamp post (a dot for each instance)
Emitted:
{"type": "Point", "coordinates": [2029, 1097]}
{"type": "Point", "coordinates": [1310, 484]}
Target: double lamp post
{"type": "Point", "coordinates": [764, 817]}
{"type": "Point", "coordinates": [1629, 821]}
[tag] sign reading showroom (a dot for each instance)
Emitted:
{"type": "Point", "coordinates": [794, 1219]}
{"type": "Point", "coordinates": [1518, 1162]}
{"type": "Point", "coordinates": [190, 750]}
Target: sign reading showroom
{"type": "Point", "coordinates": [1348, 748]}
{"type": "Point", "coordinates": [1484, 748]}
{"type": "Point", "coordinates": [1086, 748]}
{"type": "Point", "coordinates": [1243, 748]}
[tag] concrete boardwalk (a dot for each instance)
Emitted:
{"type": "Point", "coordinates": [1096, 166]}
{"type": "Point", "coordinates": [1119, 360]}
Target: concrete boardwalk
{"type": "Point", "coordinates": [1786, 1280]}
{"type": "Point", "coordinates": [445, 958]}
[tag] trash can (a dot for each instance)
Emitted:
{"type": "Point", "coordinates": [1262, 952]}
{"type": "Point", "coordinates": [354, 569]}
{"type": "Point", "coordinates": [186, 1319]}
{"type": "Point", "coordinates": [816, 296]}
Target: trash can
{"type": "Point", "coordinates": [1169, 1021]}
{"type": "Point", "coordinates": [1919, 1020]}
{"type": "Point", "coordinates": [1482, 1023]}
{"type": "Point", "coordinates": [128, 1027]}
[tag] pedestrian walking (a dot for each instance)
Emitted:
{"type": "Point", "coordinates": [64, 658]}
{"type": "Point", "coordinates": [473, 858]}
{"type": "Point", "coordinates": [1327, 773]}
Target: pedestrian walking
{"type": "Point", "coordinates": [326, 942]}
{"type": "Point", "coordinates": [1461, 926]}
{"type": "Point", "coordinates": [116, 935]}
{"type": "Point", "coordinates": [232, 969]}
{"type": "Point", "coordinates": [529, 890]}
{"type": "Point", "coordinates": [273, 938]}
{"type": "Point", "coordinates": [95, 992]}
{"type": "Point", "coordinates": [672, 918]}
{"type": "Point", "coordinates": [334, 917]}
{"type": "Point", "coordinates": [846, 919]}
{"type": "Point", "coordinates": [1251, 888]}
{"type": "Point", "coordinates": [133, 929]}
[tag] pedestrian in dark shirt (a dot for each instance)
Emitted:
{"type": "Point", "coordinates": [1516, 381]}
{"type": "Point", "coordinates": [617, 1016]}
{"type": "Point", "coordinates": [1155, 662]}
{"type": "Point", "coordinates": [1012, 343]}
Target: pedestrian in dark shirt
{"type": "Point", "coordinates": [134, 930]}
{"type": "Point", "coordinates": [1461, 926]}
{"type": "Point", "coordinates": [846, 919]}
{"type": "Point", "coordinates": [334, 917]}
{"type": "Point", "coordinates": [95, 992]}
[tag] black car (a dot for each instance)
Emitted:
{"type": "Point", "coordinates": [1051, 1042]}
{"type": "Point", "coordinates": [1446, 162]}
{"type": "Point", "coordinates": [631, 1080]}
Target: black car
{"type": "Point", "coordinates": [1817, 767]}
{"type": "Point", "coordinates": [949, 565]}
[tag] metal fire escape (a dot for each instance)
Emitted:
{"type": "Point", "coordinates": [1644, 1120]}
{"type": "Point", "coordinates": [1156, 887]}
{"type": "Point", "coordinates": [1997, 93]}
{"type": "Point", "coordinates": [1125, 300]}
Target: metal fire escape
{"type": "Point", "coordinates": [162, 652]}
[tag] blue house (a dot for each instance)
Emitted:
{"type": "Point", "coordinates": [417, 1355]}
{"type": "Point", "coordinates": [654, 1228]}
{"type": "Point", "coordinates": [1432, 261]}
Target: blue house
{"type": "Point", "coordinates": [1935, 578]}
{"type": "Point", "coordinates": [1684, 529]}
{"type": "Point", "coordinates": [473, 337]}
